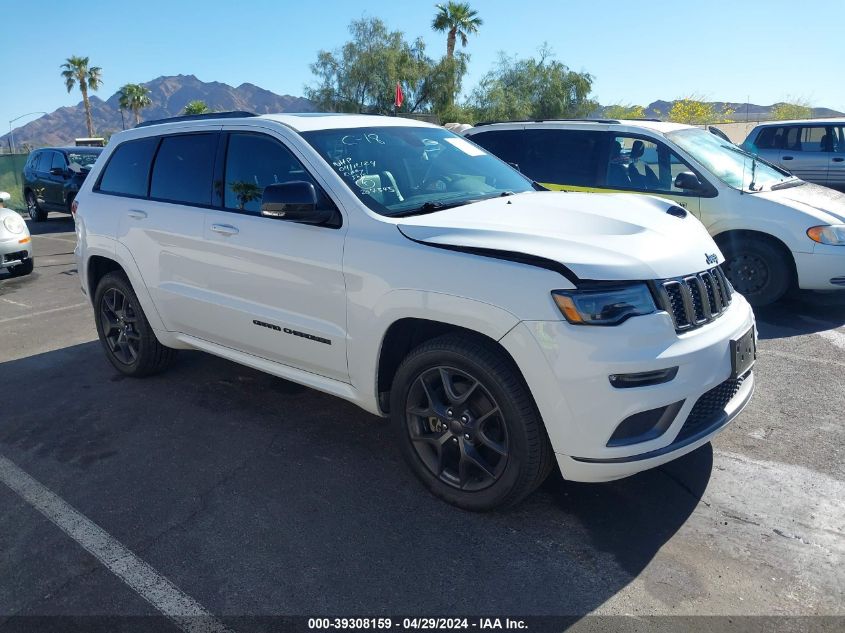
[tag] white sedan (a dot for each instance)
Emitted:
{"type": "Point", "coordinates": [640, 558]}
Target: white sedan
{"type": "Point", "coordinates": [15, 241]}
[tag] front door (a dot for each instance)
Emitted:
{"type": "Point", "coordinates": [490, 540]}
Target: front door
{"type": "Point", "coordinates": [278, 286]}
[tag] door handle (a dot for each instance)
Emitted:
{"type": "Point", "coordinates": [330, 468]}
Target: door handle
{"type": "Point", "coordinates": [137, 214]}
{"type": "Point", "coordinates": [838, 159]}
{"type": "Point", "coordinates": [224, 229]}
{"type": "Point", "coordinates": [787, 158]}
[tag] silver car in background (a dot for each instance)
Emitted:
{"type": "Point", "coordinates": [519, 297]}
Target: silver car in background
{"type": "Point", "coordinates": [15, 241]}
{"type": "Point", "coordinates": [812, 150]}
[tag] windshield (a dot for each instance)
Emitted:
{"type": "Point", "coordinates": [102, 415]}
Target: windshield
{"type": "Point", "coordinates": [406, 170]}
{"type": "Point", "coordinates": [730, 164]}
{"type": "Point", "coordinates": [83, 159]}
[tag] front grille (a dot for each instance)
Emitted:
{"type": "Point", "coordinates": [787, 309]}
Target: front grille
{"type": "Point", "coordinates": [697, 299]}
{"type": "Point", "coordinates": [710, 407]}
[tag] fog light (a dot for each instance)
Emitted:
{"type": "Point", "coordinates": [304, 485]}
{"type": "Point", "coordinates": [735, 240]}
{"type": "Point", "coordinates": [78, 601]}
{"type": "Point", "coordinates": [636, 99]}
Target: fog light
{"type": "Point", "coordinates": [643, 379]}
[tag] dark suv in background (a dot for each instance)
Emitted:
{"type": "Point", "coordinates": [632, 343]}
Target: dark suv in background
{"type": "Point", "coordinates": [52, 176]}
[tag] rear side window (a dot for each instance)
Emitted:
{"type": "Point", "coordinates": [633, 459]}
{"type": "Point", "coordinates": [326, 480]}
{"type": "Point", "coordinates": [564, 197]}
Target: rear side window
{"type": "Point", "coordinates": [564, 157]}
{"type": "Point", "coordinates": [509, 145]}
{"type": "Point", "coordinates": [128, 170]}
{"type": "Point", "coordinates": [184, 168]}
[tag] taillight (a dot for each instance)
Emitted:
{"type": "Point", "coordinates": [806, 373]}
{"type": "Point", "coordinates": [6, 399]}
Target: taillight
{"type": "Point", "coordinates": [73, 207]}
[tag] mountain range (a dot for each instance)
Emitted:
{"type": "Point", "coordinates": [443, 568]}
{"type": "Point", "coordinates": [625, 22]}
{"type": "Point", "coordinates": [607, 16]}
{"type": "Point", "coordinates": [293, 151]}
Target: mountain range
{"type": "Point", "coordinates": [169, 95]}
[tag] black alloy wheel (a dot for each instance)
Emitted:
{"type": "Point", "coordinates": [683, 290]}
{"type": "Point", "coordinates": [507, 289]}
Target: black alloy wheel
{"type": "Point", "coordinates": [118, 321]}
{"type": "Point", "coordinates": [457, 428]}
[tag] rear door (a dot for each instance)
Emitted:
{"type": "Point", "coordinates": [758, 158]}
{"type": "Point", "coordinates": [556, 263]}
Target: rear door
{"type": "Point", "coordinates": [807, 152]}
{"type": "Point", "coordinates": [278, 287]}
{"type": "Point", "coordinates": [836, 171]}
{"type": "Point", "coordinates": [167, 184]}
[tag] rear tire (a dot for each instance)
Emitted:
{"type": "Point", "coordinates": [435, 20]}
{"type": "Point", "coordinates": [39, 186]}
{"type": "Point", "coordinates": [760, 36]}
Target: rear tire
{"type": "Point", "coordinates": [127, 338]}
{"type": "Point", "coordinates": [467, 424]}
{"type": "Point", "coordinates": [23, 269]}
{"type": "Point", "coordinates": [36, 213]}
{"type": "Point", "coordinates": [757, 268]}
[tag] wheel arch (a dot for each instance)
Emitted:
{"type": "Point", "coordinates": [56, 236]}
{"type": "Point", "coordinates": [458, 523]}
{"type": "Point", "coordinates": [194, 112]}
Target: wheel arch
{"type": "Point", "coordinates": [407, 333]}
{"type": "Point", "coordinates": [734, 236]}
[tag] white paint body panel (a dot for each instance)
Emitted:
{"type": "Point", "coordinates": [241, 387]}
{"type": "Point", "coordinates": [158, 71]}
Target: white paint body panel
{"type": "Point", "coordinates": [202, 290]}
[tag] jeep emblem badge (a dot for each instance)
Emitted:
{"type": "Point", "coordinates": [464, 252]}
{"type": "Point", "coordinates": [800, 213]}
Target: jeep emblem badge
{"type": "Point", "coordinates": [711, 258]}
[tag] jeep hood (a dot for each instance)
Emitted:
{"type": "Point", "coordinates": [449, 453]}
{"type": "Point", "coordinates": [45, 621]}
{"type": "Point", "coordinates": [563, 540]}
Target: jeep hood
{"type": "Point", "coordinates": [811, 198]}
{"type": "Point", "coordinates": [594, 236]}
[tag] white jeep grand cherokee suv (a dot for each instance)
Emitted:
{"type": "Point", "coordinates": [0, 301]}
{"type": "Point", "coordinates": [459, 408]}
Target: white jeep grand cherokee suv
{"type": "Point", "coordinates": [401, 267]}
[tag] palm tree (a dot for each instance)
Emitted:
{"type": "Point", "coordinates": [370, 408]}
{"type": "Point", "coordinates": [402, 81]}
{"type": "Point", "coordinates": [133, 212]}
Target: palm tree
{"type": "Point", "coordinates": [457, 19]}
{"type": "Point", "coordinates": [196, 107]}
{"type": "Point", "coordinates": [134, 97]}
{"type": "Point", "coordinates": [75, 70]}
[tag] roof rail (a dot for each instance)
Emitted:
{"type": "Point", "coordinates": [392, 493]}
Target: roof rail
{"type": "Point", "coordinates": [585, 119]}
{"type": "Point", "coordinates": [236, 114]}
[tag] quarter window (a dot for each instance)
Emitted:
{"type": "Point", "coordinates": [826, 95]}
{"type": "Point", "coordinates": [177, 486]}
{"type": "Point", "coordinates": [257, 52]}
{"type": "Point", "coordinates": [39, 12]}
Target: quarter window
{"type": "Point", "coordinates": [254, 161]}
{"type": "Point", "coordinates": [509, 145]}
{"type": "Point", "coordinates": [128, 170]}
{"type": "Point", "coordinates": [566, 157]}
{"type": "Point", "coordinates": [183, 169]}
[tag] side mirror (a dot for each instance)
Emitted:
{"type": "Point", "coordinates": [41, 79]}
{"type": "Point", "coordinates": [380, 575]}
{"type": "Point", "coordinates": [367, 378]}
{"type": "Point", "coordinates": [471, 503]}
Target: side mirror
{"type": "Point", "coordinates": [688, 181]}
{"type": "Point", "coordinates": [57, 171]}
{"type": "Point", "coordinates": [293, 201]}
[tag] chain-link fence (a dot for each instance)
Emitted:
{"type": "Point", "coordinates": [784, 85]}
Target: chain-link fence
{"type": "Point", "coordinates": [11, 168]}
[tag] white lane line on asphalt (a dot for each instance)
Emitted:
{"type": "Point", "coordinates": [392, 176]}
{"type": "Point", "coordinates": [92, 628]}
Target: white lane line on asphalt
{"type": "Point", "coordinates": [37, 314]}
{"type": "Point", "coordinates": [15, 303]}
{"type": "Point", "coordinates": [833, 335]}
{"type": "Point", "coordinates": [171, 601]}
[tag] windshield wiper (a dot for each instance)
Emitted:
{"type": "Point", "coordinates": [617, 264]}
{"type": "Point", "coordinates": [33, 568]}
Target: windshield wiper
{"type": "Point", "coordinates": [429, 207]}
{"type": "Point", "coordinates": [786, 184]}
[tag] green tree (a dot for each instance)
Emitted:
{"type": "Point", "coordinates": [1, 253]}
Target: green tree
{"type": "Point", "coordinates": [694, 110]}
{"type": "Point", "coordinates": [76, 71]}
{"type": "Point", "coordinates": [621, 111]}
{"type": "Point", "coordinates": [196, 107]}
{"type": "Point", "coordinates": [361, 75]}
{"type": "Point", "coordinates": [245, 192]}
{"type": "Point", "coordinates": [797, 109]}
{"type": "Point", "coordinates": [457, 20]}
{"type": "Point", "coordinates": [134, 97]}
{"type": "Point", "coordinates": [532, 88]}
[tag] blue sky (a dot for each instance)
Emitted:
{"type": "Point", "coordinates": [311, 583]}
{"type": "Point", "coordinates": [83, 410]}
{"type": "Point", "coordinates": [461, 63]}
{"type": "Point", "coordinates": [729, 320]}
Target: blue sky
{"type": "Point", "coordinates": [765, 50]}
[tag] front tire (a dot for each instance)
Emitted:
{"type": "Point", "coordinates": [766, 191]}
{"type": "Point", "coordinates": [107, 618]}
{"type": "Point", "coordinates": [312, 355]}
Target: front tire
{"type": "Point", "coordinates": [757, 269]}
{"type": "Point", "coordinates": [127, 338]}
{"type": "Point", "coordinates": [36, 213]}
{"type": "Point", "coordinates": [467, 424]}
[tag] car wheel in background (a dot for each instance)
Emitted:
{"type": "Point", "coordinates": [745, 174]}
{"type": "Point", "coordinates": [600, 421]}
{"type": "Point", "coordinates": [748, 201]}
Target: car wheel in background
{"type": "Point", "coordinates": [467, 424]}
{"type": "Point", "coordinates": [25, 268]}
{"type": "Point", "coordinates": [36, 213]}
{"type": "Point", "coordinates": [127, 338]}
{"type": "Point", "coordinates": [757, 269]}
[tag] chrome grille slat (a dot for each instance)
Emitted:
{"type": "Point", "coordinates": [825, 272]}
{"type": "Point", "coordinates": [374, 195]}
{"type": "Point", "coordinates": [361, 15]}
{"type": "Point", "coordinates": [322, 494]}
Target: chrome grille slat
{"type": "Point", "coordinates": [694, 300]}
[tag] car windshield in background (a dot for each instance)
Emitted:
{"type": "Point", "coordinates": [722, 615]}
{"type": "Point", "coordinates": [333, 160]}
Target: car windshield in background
{"type": "Point", "coordinates": [729, 163]}
{"type": "Point", "coordinates": [83, 159]}
{"type": "Point", "coordinates": [406, 170]}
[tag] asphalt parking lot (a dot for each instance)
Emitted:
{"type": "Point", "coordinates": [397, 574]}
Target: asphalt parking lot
{"type": "Point", "coordinates": [255, 496]}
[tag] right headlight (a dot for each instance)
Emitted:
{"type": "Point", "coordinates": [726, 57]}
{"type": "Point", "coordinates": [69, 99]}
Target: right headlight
{"type": "Point", "coordinates": [833, 234]}
{"type": "Point", "coordinates": [604, 306]}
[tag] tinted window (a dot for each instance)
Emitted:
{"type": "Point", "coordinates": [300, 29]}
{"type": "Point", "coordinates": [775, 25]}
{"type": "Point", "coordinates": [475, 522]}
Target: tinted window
{"type": "Point", "coordinates": [509, 145]}
{"type": "Point", "coordinates": [128, 169]}
{"type": "Point", "coordinates": [569, 157]}
{"type": "Point", "coordinates": [44, 160]}
{"type": "Point", "coordinates": [809, 139]}
{"type": "Point", "coordinates": [58, 161]}
{"type": "Point", "coordinates": [254, 161]}
{"type": "Point", "coordinates": [770, 138]}
{"type": "Point", "coordinates": [183, 168]}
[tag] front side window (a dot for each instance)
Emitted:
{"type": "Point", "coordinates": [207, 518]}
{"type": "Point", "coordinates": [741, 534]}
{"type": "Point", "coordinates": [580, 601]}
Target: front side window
{"type": "Point", "coordinates": [254, 161]}
{"type": "Point", "coordinates": [183, 169]}
{"type": "Point", "coordinates": [406, 170]}
{"type": "Point", "coordinates": [58, 161]}
{"type": "Point", "coordinates": [727, 162]}
{"type": "Point", "coordinates": [643, 165]}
